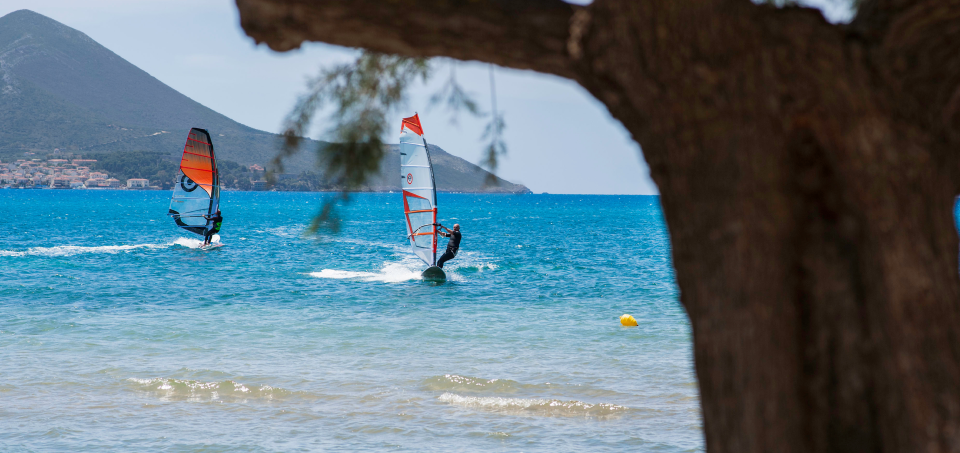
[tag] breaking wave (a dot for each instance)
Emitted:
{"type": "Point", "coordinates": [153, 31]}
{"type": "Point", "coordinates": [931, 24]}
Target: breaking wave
{"type": "Point", "coordinates": [199, 391]}
{"type": "Point", "coordinates": [457, 383]}
{"type": "Point", "coordinates": [534, 406]}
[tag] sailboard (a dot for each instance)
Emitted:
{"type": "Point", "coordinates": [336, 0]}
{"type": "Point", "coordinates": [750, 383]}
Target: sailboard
{"type": "Point", "coordinates": [196, 192]}
{"type": "Point", "coordinates": [419, 189]}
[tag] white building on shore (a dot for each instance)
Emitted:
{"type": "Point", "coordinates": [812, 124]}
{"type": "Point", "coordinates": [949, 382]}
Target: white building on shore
{"type": "Point", "coordinates": [138, 183]}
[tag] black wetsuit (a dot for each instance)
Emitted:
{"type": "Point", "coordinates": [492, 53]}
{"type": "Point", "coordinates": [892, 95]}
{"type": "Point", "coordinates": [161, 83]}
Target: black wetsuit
{"type": "Point", "coordinates": [453, 245]}
{"type": "Point", "coordinates": [213, 228]}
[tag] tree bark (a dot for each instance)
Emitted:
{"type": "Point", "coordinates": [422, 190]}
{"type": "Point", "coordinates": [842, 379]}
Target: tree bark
{"type": "Point", "coordinates": [807, 174]}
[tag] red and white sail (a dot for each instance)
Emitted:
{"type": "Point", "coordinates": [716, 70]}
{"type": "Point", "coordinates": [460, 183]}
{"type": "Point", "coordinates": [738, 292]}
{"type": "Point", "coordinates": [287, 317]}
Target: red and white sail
{"type": "Point", "coordinates": [419, 190]}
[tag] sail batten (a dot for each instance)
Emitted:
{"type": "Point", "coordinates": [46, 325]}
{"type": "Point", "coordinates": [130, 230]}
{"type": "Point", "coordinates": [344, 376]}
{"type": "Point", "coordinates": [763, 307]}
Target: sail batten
{"type": "Point", "coordinates": [419, 190]}
{"type": "Point", "coordinates": [198, 169]}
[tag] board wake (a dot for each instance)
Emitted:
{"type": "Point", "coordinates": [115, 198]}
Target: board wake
{"type": "Point", "coordinates": [212, 245]}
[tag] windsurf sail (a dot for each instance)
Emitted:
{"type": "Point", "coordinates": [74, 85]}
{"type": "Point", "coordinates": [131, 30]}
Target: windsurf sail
{"type": "Point", "coordinates": [419, 190]}
{"type": "Point", "coordinates": [196, 192]}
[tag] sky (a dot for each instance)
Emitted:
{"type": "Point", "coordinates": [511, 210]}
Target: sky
{"type": "Point", "coordinates": [559, 138]}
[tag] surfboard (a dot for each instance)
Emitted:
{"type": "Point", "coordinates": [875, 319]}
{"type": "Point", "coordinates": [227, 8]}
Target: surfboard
{"type": "Point", "coordinates": [196, 191]}
{"type": "Point", "coordinates": [419, 189]}
{"type": "Point", "coordinates": [212, 245]}
{"type": "Point", "coordinates": [434, 274]}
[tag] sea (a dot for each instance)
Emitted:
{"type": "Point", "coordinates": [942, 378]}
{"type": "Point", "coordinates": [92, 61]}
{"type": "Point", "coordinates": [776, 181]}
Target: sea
{"type": "Point", "coordinates": [118, 334]}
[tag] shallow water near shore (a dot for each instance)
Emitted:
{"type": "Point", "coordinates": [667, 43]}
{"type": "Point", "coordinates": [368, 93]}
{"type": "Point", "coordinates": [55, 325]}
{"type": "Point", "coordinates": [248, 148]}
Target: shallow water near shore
{"type": "Point", "coordinates": [118, 334]}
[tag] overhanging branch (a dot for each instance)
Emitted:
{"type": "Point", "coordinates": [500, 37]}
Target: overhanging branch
{"type": "Point", "coordinates": [530, 34]}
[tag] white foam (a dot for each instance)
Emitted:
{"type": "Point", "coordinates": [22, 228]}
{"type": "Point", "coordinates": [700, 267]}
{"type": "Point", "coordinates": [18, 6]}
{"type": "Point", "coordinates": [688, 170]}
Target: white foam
{"type": "Point", "coordinates": [70, 250]}
{"type": "Point", "coordinates": [533, 406]}
{"type": "Point", "coordinates": [390, 273]}
{"type": "Point", "coordinates": [468, 260]}
{"type": "Point", "coordinates": [409, 268]}
{"type": "Point", "coordinates": [190, 390]}
{"type": "Point", "coordinates": [194, 243]}
{"type": "Point", "coordinates": [189, 243]}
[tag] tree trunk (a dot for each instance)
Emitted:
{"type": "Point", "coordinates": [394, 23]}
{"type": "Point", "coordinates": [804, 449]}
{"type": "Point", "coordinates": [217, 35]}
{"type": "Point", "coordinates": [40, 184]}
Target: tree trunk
{"type": "Point", "coordinates": [807, 172]}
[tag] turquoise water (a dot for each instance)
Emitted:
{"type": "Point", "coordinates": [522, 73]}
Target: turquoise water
{"type": "Point", "coordinates": [118, 334]}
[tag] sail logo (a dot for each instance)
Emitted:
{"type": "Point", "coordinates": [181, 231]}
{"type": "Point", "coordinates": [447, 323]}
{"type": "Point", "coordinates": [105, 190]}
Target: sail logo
{"type": "Point", "coordinates": [409, 178]}
{"type": "Point", "coordinates": [187, 184]}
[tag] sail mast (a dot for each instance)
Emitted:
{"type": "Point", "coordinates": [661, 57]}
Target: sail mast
{"type": "Point", "coordinates": [433, 182]}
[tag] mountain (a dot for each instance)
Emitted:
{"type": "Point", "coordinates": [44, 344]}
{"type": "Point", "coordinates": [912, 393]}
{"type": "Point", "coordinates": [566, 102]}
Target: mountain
{"type": "Point", "coordinates": [61, 89]}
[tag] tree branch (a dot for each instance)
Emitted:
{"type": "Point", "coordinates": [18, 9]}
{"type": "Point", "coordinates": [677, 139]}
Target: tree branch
{"type": "Point", "coordinates": [810, 227]}
{"type": "Point", "coordinates": [535, 31]}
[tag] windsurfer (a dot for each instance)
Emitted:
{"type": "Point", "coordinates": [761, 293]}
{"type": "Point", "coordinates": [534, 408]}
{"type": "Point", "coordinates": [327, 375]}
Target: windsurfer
{"type": "Point", "coordinates": [453, 244]}
{"type": "Point", "coordinates": [213, 226]}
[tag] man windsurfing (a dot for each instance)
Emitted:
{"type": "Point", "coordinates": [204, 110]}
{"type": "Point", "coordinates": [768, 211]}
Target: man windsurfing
{"type": "Point", "coordinates": [213, 227]}
{"type": "Point", "coordinates": [453, 244]}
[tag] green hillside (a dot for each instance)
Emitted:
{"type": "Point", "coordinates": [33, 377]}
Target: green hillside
{"type": "Point", "coordinates": [61, 89]}
{"type": "Point", "coordinates": [161, 168]}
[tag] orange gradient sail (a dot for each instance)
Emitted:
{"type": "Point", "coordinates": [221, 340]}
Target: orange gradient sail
{"type": "Point", "coordinates": [198, 162]}
{"type": "Point", "coordinates": [198, 169]}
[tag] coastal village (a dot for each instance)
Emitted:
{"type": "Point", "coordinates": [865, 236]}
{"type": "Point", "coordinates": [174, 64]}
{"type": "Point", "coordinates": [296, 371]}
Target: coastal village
{"type": "Point", "coordinates": [74, 174]}
{"type": "Point", "coordinates": [60, 174]}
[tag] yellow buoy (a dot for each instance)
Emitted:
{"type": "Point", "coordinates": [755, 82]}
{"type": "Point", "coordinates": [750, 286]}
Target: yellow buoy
{"type": "Point", "coordinates": [628, 321]}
